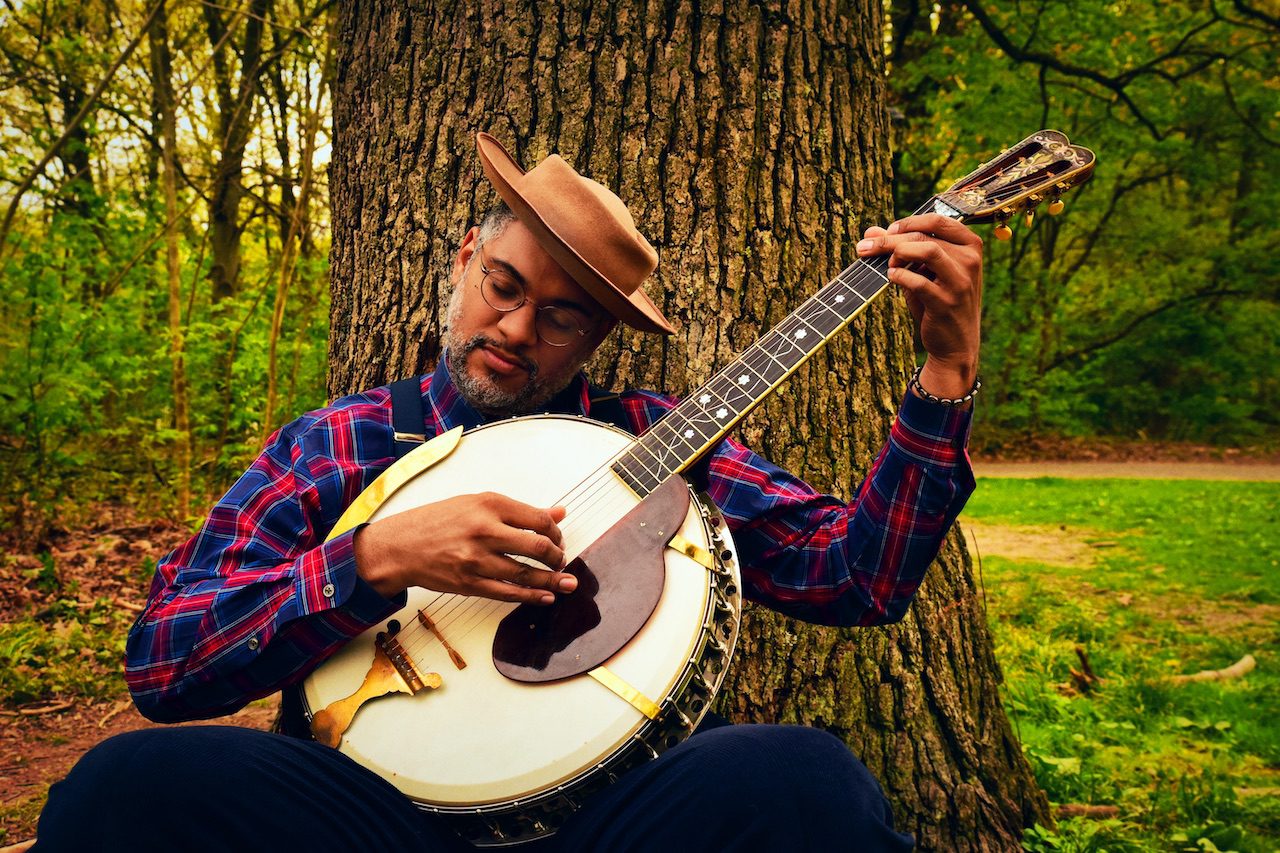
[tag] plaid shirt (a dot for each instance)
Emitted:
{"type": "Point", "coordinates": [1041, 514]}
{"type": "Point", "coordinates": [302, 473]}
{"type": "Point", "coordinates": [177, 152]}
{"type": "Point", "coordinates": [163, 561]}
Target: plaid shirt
{"type": "Point", "coordinates": [257, 598]}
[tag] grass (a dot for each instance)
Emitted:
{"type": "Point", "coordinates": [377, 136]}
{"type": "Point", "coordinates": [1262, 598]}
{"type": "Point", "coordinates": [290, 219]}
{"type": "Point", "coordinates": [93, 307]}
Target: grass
{"type": "Point", "coordinates": [1186, 577]}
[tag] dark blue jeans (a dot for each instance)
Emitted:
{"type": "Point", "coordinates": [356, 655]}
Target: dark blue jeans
{"type": "Point", "coordinates": [218, 788]}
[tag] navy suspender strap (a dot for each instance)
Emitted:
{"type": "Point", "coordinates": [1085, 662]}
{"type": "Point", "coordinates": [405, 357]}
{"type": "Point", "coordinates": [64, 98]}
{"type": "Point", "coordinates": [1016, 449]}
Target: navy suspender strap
{"type": "Point", "coordinates": [406, 415]}
{"type": "Point", "coordinates": [607, 407]}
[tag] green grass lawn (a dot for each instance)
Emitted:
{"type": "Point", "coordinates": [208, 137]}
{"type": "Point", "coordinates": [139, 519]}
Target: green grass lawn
{"type": "Point", "coordinates": [1185, 576]}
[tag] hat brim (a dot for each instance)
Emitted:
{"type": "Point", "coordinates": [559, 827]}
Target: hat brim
{"type": "Point", "coordinates": [635, 309]}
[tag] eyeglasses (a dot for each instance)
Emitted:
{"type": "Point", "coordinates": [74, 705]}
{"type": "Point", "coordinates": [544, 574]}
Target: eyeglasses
{"type": "Point", "coordinates": [556, 326]}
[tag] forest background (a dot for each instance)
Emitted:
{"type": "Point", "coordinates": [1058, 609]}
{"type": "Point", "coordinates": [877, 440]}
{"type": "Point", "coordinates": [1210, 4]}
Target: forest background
{"type": "Point", "coordinates": [164, 250]}
{"type": "Point", "coordinates": [153, 332]}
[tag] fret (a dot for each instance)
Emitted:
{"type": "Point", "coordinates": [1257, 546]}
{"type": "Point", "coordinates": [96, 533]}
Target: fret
{"type": "Point", "coordinates": [780, 348]}
{"type": "Point", "coordinates": [678, 431]}
{"type": "Point", "coordinates": [760, 347]}
{"type": "Point", "coordinates": [668, 446]}
{"type": "Point", "coordinates": [640, 475]}
{"type": "Point", "coordinates": [706, 411]}
{"type": "Point", "coordinates": [641, 482]}
{"type": "Point", "coordinates": [703, 418]}
{"type": "Point", "coordinates": [636, 463]}
{"type": "Point", "coordinates": [878, 265]}
{"type": "Point", "coordinates": [694, 423]}
{"type": "Point", "coordinates": [870, 277]}
{"type": "Point", "coordinates": [738, 386]}
{"type": "Point", "coordinates": [842, 298]}
{"type": "Point", "coordinates": [770, 369]}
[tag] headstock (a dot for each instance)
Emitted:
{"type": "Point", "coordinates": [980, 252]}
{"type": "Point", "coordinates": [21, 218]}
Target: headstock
{"type": "Point", "coordinates": [1038, 169]}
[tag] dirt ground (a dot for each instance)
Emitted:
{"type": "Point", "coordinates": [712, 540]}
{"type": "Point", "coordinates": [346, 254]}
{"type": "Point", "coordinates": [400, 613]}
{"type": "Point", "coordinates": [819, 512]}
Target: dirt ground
{"type": "Point", "coordinates": [104, 558]}
{"type": "Point", "coordinates": [1043, 544]}
{"type": "Point", "coordinates": [38, 749]}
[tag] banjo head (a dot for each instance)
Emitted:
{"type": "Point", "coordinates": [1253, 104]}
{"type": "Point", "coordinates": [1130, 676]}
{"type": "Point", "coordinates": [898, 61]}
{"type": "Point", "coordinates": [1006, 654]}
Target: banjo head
{"type": "Point", "coordinates": [506, 758]}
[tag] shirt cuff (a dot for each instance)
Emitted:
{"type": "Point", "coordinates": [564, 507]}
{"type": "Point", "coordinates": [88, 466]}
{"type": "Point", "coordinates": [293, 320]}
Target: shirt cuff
{"type": "Point", "coordinates": [328, 579]}
{"type": "Point", "coordinates": [931, 433]}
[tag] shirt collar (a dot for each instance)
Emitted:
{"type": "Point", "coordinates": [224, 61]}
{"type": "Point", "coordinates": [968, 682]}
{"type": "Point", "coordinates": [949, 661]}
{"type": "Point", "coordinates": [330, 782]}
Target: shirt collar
{"type": "Point", "coordinates": [449, 409]}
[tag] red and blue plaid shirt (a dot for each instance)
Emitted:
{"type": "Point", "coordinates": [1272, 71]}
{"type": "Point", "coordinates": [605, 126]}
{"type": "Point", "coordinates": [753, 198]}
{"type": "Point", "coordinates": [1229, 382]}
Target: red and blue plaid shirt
{"type": "Point", "coordinates": [257, 598]}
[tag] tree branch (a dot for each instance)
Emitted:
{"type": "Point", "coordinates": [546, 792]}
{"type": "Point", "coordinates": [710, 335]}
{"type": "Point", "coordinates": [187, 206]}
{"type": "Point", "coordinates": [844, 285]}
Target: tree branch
{"type": "Point", "coordinates": [1121, 190]}
{"type": "Point", "coordinates": [1127, 329]}
{"type": "Point", "coordinates": [1116, 85]}
{"type": "Point", "coordinates": [1249, 123]}
{"type": "Point", "coordinates": [73, 125]}
{"type": "Point", "coordinates": [1257, 14]}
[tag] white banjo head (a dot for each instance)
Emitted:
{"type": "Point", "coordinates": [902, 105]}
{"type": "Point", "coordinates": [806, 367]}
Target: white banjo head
{"type": "Point", "coordinates": [481, 739]}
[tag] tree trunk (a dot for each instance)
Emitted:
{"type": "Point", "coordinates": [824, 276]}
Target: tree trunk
{"type": "Point", "coordinates": [751, 144]}
{"type": "Point", "coordinates": [237, 112]}
{"type": "Point", "coordinates": [162, 75]}
{"type": "Point", "coordinates": [291, 240]}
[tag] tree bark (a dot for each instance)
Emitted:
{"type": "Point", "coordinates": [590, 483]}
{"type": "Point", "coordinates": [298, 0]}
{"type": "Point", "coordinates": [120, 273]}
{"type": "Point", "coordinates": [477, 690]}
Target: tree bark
{"type": "Point", "coordinates": [750, 142]}
{"type": "Point", "coordinates": [237, 111]}
{"type": "Point", "coordinates": [291, 239]}
{"type": "Point", "coordinates": [162, 76]}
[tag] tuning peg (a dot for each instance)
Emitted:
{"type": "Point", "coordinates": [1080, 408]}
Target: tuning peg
{"type": "Point", "coordinates": [1003, 231]}
{"type": "Point", "coordinates": [1030, 216]}
{"type": "Point", "coordinates": [1055, 207]}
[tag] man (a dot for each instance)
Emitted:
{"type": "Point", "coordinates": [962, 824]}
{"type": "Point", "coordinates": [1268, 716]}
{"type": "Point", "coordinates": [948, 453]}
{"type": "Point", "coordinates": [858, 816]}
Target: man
{"type": "Point", "coordinates": [258, 597]}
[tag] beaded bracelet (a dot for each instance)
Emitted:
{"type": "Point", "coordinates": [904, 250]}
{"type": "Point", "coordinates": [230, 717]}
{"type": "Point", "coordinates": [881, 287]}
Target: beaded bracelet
{"type": "Point", "coordinates": [932, 398]}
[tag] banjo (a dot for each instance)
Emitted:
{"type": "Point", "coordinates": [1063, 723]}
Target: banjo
{"type": "Point", "coordinates": [503, 718]}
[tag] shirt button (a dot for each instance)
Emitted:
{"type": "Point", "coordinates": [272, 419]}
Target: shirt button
{"type": "Point", "coordinates": [328, 590]}
{"type": "Point", "coordinates": [253, 644]}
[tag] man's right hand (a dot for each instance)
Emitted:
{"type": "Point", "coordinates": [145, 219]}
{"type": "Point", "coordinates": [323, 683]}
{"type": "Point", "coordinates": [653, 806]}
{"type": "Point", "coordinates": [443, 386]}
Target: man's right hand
{"type": "Point", "coordinates": [465, 545]}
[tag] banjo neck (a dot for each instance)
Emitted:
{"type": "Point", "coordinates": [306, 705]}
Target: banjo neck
{"type": "Point", "coordinates": [689, 430]}
{"type": "Point", "coordinates": [1038, 170]}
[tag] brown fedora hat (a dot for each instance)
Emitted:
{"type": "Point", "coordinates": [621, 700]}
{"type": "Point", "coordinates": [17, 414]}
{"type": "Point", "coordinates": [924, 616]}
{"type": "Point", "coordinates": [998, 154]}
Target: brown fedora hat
{"type": "Point", "coordinates": [584, 227]}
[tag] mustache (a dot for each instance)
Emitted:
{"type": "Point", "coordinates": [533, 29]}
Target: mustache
{"type": "Point", "coordinates": [476, 342]}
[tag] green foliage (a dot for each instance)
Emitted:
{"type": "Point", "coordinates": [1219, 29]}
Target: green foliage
{"type": "Point", "coordinates": [1187, 579]}
{"type": "Point", "coordinates": [64, 652]}
{"type": "Point", "coordinates": [88, 396]}
{"type": "Point", "coordinates": [87, 378]}
{"type": "Point", "coordinates": [1150, 308]}
{"type": "Point", "coordinates": [1079, 835]}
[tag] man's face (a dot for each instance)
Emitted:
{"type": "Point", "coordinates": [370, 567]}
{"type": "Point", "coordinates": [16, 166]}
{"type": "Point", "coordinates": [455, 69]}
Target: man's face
{"type": "Point", "coordinates": [496, 358]}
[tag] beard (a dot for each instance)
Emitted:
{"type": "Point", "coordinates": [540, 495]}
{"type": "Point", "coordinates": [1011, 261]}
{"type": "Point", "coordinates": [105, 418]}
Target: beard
{"type": "Point", "coordinates": [489, 398]}
{"type": "Point", "coordinates": [483, 392]}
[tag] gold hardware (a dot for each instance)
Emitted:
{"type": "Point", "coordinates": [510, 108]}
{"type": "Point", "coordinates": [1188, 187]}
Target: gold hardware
{"type": "Point", "coordinates": [1055, 207]}
{"type": "Point", "coordinates": [1003, 231]}
{"type": "Point", "coordinates": [404, 664]}
{"type": "Point", "coordinates": [384, 677]}
{"type": "Point", "coordinates": [409, 466]}
{"type": "Point", "coordinates": [1030, 216]}
{"type": "Point", "coordinates": [633, 697]}
{"type": "Point", "coordinates": [699, 555]}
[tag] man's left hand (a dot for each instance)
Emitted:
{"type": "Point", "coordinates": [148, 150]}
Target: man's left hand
{"type": "Point", "coordinates": [938, 264]}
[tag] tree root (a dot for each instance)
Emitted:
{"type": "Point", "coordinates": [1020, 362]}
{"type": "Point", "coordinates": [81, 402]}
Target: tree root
{"type": "Point", "coordinates": [1237, 669]}
{"type": "Point", "coordinates": [1067, 810]}
{"type": "Point", "coordinates": [1084, 680]}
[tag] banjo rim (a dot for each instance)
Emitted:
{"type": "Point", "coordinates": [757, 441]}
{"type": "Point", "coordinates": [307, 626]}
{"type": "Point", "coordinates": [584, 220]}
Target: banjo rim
{"type": "Point", "coordinates": [508, 820]}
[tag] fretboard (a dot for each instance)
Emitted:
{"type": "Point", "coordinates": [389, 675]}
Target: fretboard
{"type": "Point", "coordinates": [687, 431]}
